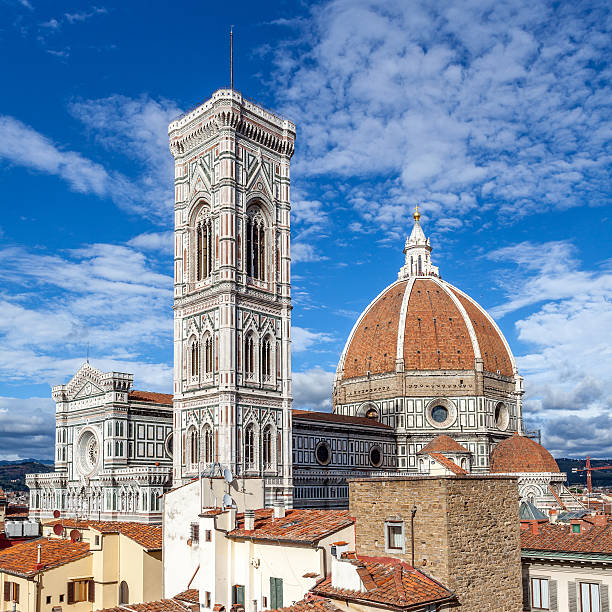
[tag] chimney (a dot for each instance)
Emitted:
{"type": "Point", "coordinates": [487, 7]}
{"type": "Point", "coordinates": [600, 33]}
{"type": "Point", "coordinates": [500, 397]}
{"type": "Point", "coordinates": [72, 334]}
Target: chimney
{"type": "Point", "coordinates": [337, 548]}
{"type": "Point", "coordinates": [552, 516]}
{"type": "Point", "coordinates": [249, 520]}
{"type": "Point", "coordinates": [232, 518]}
{"type": "Point", "coordinates": [279, 509]}
{"type": "Point", "coordinates": [534, 528]}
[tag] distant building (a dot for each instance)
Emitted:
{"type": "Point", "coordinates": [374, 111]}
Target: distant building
{"type": "Point", "coordinates": [567, 567]}
{"type": "Point", "coordinates": [113, 451]}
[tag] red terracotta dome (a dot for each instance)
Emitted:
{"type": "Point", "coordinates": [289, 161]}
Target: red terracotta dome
{"type": "Point", "coordinates": [429, 325]}
{"type": "Point", "coordinates": [521, 454]}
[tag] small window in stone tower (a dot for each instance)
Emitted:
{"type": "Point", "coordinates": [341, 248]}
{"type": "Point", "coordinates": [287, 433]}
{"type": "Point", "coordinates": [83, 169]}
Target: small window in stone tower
{"type": "Point", "coordinates": [394, 536]}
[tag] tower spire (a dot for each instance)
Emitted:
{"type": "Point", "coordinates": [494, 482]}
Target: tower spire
{"type": "Point", "coordinates": [418, 252]}
{"type": "Point", "coordinates": [231, 57]}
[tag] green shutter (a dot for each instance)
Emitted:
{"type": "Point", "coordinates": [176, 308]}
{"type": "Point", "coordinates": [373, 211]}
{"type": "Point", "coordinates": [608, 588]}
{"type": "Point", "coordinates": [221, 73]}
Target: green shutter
{"type": "Point", "coordinates": [239, 595]}
{"type": "Point", "coordinates": [605, 598]}
{"type": "Point", "coordinates": [276, 593]}
{"type": "Point", "coordinates": [571, 596]}
{"type": "Point", "coordinates": [552, 596]}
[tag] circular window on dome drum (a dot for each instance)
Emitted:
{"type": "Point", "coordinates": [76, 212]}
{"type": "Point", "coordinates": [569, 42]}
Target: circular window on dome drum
{"type": "Point", "coordinates": [323, 453]}
{"type": "Point", "coordinates": [168, 445]}
{"type": "Point", "coordinates": [376, 456]}
{"type": "Point", "coordinates": [502, 416]}
{"type": "Point", "coordinates": [441, 413]}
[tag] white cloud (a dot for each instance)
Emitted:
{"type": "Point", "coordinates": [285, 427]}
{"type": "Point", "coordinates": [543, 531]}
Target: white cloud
{"type": "Point", "coordinates": [161, 242]}
{"type": "Point", "coordinates": [303, 252]}
{"type": "Point", "coordinates": [567, 329]}
{"type": "Point", "coordinates": [107, 296]}
{"type": "Point", "coordinates": [84, 15]}
{"type": "Point", "coordinates": [136, 128]}
{"type": "Point", "coordinates": [312, 389]}
{"type": "Point", "coordinates": [303, 339]}
{"type": "Point", "coordinates": [459, 105]}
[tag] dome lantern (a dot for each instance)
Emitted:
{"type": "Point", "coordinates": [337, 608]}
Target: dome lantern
{"type": "Point", "coordinates": [417, 251]}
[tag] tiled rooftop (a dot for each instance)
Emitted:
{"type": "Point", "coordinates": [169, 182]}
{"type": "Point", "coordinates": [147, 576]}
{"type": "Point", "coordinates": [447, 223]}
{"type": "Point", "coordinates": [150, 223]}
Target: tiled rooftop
{"type": "Point", "coordinates": [160, 605]}
{"type": "Point", "coordinates": [443, 444]}
{"type": "Point", "coordinates": [148, 536]}
{"type": "Point", "coordinates": [151, 397]}
{"type": "Point", "coordinates": [296, 526]}
{"type": "Point", "coordinates": [521, 454]}
{"type": "Point", "coordinates": [312, 603]}
{"type": "Point", "coordinates": [448, 463]}
{"type": "Point", "coordinates": [330, 417]}
{"type": "Point", "coordinates": [22, 558]}
{"type": "Point", "coordinates": [559, 538]}
{"type": "Point", "coordinates": [387, 581]}
{"type": "Point", "coordinates": [190, 596]}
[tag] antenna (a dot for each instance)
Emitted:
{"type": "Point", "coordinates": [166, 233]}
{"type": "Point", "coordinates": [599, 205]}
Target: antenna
{"type": "Point", "coordinates": [88, 352]}
{"type": "Point", "coordinates": [232, 57]}
{"type": "Point", "coordinates": [228, 476]}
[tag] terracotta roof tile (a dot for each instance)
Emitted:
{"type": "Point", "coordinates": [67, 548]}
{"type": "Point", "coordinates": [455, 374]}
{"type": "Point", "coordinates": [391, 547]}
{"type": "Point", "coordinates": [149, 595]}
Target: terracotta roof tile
{"type": "Point", "coordinates": [148, 536]}
{"type": "Point", "coordinates": [559, 538]}
{"type": "Point", "coordinates": [331, 417]}
{"type": "Point", "coordinates": [151, 397]}
{"type": "Point", "coordinates": [443, 444]}
{"type": "Point", "coordinates": [160, 605]}
{"type": "Point", "coordinates": [190, 596]}
{"type": "Point", "coordinates": [388, 581]}
{"type": "Point", "coordinates": [296, 526]}
{"type": "Point", "coordinates": [312, 603]}
{"type": "Point", "coordinates": [22, 558]}
{"type": "Point", "coordinates": [447, 463]}
{"type": "Point", "coordinates": [521, 454]}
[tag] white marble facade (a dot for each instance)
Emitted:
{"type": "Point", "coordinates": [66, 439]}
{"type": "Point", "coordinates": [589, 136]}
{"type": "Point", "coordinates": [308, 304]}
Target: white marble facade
{"type": "Point", "coordinates": [112, 451]}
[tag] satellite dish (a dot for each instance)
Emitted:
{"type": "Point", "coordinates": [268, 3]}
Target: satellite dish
{"type": "Point", "coordinates": [227, 474]}
{"type": "Point", "coordinates": [75, 535]}
{"type": "Point", "coordinates": [56, 514]}
{"type": "Point", "coordinates": [228, 502]}
{"type": "Point", "coordinates": [57, 529]}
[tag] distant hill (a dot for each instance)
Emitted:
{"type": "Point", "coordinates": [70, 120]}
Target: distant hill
{"type": "Point", "coordinates": [600, 479]}
{"type": "Point", "coordinates": [12, 473]}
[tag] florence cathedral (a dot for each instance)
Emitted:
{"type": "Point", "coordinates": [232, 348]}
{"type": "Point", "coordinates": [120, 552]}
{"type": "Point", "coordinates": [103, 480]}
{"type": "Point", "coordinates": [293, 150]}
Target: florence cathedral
{"type": "Point", "coordinates": [426, 383]}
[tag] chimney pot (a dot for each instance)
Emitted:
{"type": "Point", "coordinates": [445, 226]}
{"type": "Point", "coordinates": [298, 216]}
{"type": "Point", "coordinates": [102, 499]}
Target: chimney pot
{"type": "Point", "coordinates": [249, 520]}
{"type": "Point", "coordinates": [279, 509]}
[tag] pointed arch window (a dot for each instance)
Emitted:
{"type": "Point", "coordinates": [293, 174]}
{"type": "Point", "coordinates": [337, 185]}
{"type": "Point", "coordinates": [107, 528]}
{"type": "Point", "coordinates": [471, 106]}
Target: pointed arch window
{"type": "Point", "coordinates": [194, 358]}
{"type": "Point", "coordinates": [255, 244]}
{"type": "Point", "coordinates": [208, 354]}
{"type": "Point", "coordinates": [193, 444]}
{"type": "Point", "coordinates": [249, 365]}
{"type": "Point", "coordinates": [203, 247]}
{"type": "Point", "coordinates": [266, 359]}
{"type": "Point", "coordinates": [249, 447]}
{"type": "Point", "coordinates": [207, 445]}
{"type": "Point", "coordinates": [268, 454]}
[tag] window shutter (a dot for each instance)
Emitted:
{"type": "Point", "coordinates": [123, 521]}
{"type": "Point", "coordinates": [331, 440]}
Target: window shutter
{"type": "Point", "coordinates": [552, 596]}
{"type": "Point", "coordinates": [571, 596]}
{"type": "Point", "coordinates": [605, 598]}
{"type": "Point", "coordinates": [91, 591]}
{"type": "Point", "coordinates": [7, 591]}
{"type": "Point", "coordinates": [273, 605]}
{"type": "Point", "coordinates": [526, 592]}
{"type": "Point", "coordinates": [70, 592]}
{"type": "Point", "coordinates": [279, 592]}
{"type": "Point", "coordinates": [16, 592]}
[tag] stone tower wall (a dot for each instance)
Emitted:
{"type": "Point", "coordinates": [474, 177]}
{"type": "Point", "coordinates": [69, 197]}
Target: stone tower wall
{"type": "Point", "coordinates": [466, 533]}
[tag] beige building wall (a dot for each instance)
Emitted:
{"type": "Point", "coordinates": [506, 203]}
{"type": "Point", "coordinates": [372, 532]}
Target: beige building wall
{"type": "Point", "coordinates": [567, 577]}
{"type": "Point", "coordinates": [466, 532]}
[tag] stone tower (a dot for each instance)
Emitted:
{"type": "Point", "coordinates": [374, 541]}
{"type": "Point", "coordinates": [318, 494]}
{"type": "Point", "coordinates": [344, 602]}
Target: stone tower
{"type": "Point", "coordinates": [232, 292]}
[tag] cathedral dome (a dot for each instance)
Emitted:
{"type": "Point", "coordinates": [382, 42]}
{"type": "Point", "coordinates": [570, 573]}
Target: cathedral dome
{"type": "Point", "coordinates": [519, 454]}
{"type": "Point", "coordinates": [424, 323]}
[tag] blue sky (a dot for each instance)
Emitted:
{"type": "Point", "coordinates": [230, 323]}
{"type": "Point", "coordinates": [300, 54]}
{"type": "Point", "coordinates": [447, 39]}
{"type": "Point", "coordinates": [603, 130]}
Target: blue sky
{"type": "Point", "coordinates": [494, 117]}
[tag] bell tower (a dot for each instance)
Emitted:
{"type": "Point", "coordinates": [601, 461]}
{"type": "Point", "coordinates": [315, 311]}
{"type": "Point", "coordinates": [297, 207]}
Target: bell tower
{"type": "Point", "coordinates": [232, 292]}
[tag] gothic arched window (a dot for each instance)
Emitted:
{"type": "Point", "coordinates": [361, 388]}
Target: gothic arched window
{"type": "Point", "coordinates": [208, 354]}
{"type": "Point", "coordinates": [194, 358]}
{"type": "Point", "coordinates": [192, 445]}
{"type": "Point", "coordinates": [124, 593]}
{"type": "Point", "coordinates": [266, 359]}
{"type": "Point", "coordinates": [255, 244]}
{"type": "Point", "coordinates": [267, 447]}
{"type": "Point", "coordinates": [249, 365]}
{"type": "Point", "coordinates": [249, 447]}
{"type": "Point", "coordinates": [203, 247]}
{"type": "Point", "coordinates": [207, 448]}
